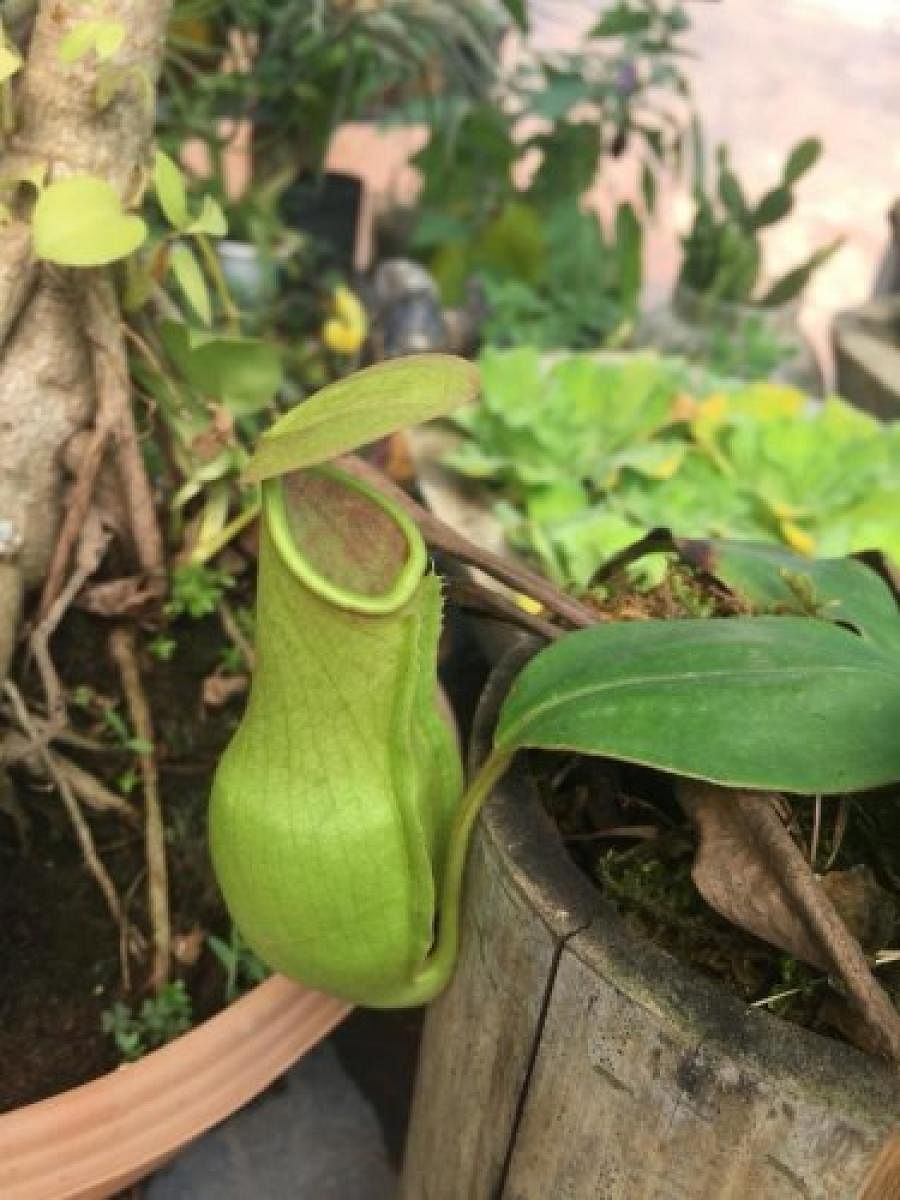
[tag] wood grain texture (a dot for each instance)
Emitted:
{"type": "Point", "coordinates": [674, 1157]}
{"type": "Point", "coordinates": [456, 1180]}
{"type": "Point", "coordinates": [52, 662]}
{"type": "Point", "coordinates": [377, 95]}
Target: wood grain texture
{"type": "Point", "coordinates": [584, 1065]}
{"type": "Point", "coordinates": [480, 1035]}
{"type": "Point", "coordinates": [642, 1090]}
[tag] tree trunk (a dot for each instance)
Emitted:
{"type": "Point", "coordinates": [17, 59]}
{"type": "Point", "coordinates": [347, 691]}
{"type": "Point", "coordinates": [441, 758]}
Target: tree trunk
{"type": "Point", "coordinates": [48, 390]}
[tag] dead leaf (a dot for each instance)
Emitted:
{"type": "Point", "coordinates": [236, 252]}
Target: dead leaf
{"type": "Point", "coordinates": [735, 877]}
{"type": "Point", "coordinates": [131, 596]}
{"type": "Point", "coordinates": [187, 947]}
{"type": "Point", "coordinates": [868, 910]}
{"type": "Point", "coordinates": [218, 689]}
{"type": "Point", "coordinates": [749, 868]}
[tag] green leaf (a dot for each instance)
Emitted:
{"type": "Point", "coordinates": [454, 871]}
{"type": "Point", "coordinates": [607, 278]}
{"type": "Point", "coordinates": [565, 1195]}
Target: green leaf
{"type": "Point", "coordinates": [770, 578]}
{"type": "Point", "coordinates": [243, 372]}
{"type": "Point", "coordinates": [362, 408]}
{"type": "Point", "coordinates": [210, 220]}
{"type": "Point", "coordinates": [187, 271]}
{"type": "Point", "coordinates": [774, 205]}
{"type": "Point", "coordinates": [105, 38]}
{"type": "Point", "coordinates": [803, 156]}
{"type": "Point", "coordinates": [621, 21]}
{"type": "Point", "coordinates": [628, 257]}
{"type": "Point", "coordinates": [170, 191]}
{"type": "Point", "coordinates": [79, 222]}
{"type": "Point", "coordinates": [792, 284]}
{"type": "Point", "coordinates": [10, 62]}
{"type": "Point", "coordinates": [783, 703]}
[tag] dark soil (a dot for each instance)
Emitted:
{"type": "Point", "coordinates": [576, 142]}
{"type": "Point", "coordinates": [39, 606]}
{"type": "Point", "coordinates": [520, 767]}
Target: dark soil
{"type": "Point", "coordinates": [59, 958]}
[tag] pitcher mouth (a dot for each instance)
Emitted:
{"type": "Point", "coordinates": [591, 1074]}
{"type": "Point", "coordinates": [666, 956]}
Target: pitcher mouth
{"type": "Point", "coordinates": [381, 602]}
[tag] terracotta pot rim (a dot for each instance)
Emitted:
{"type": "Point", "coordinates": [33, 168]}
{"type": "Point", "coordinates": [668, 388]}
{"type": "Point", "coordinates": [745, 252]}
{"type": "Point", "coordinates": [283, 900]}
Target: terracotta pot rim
{"type": "Point", "coordinates": [92, 1140]}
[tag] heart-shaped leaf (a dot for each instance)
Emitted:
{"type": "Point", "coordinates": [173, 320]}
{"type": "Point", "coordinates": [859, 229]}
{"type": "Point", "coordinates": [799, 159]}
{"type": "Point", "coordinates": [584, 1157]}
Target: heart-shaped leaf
{"type": "Point", "coordinates": [105, 38]}
{"type": "Point", "coordinates": [362, 408]}
{"type": "Point", "coordinates": [79, 222]}
{"type": "Point", "coordinates": [777, 703]}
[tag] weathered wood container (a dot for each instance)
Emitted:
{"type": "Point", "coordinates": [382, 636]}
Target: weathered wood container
{"type": "Point", "coordinates": [567, 1061]}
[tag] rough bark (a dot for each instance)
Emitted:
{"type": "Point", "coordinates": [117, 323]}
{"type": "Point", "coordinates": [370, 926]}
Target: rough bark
{"type": "Point", "coordinates": [47, 387]}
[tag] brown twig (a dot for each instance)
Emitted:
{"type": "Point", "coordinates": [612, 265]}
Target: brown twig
{"type": "Point", "coordinates": [471, 596]}
{"type": "Point", "coordinates": [762, 828]}
{"type": "Point", "coordinates": [124, 653]}
{"type": "Point", "coordinates": [34, 755]}
{"type": "Point", "coordinates": [236, 635]}
{"type": "Point", "coordinates": [79, 824]}
{"type": "Point", "coordinates": [92, 543]}
{"type": "Point", "coordinates": [442, 537]}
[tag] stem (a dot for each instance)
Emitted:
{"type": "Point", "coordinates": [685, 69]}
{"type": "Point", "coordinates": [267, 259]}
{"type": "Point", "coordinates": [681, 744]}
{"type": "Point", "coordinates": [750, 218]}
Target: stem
{"type": "Point", "coordinates": [214, 268]}
{"type": "Point", "coordinates": [437, 969]}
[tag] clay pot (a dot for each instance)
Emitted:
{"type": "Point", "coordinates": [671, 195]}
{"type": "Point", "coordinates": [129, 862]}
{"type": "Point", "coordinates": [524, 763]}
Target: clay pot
{"type": "Point", "coordinates": [91, 1141]}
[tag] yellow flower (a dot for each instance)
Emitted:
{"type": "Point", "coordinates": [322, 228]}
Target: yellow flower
{"type": "Point", "coordinates": [345, 330]}
{"type": "Point", "coordinates": [798, 539]}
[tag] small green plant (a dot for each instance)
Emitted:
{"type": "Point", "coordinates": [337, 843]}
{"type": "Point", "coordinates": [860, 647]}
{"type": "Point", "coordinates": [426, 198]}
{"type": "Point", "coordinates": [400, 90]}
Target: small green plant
{"type": "Point", "coordinates": [584, 456]}
{"type": "Point", "coordinates": [160, 1019]}
{"type": "Point", "coordinates": [722, 251]}
{"type": "Point", "coordinates": [196, 590]}
{"type": "Point", "coordinates": [243, 969]}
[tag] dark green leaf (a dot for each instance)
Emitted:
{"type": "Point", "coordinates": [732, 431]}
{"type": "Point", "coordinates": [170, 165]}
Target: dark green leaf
{"type": "Point", "coordinates": [803, 156]}
{"type": "Point", "coordinates": [784, 703]}
{"type": "Point", "coordinates": [620, 21]}
{"type": "Point", "coordinates": [774, 205]}
{"type": "Point", "coordinates": [770, 578]}
{"type": "Point", "coordinates": [790, 285]}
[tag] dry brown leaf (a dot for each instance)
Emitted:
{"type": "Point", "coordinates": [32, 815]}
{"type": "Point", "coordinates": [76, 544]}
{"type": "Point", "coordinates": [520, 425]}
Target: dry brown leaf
{"type": "Point", "coordinates": [734, 876]}
{"type": "Point", "coordinates": [218, 689]}
{"type": "Point", "coordinates": [868, 910]}
{"type": "Point", "coordinates": [750, 870]}
{"type": "Point", "coordinates": [129, 597]}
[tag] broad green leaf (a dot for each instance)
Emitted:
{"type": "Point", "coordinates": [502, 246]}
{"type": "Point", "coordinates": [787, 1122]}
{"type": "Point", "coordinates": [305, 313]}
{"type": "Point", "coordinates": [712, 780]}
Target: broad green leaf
{"type": "Point", "coordinates": [362, 408]}
{"type": "Point", "coordinates": [187, 271]}
{"type": "Point", "coordinates": [170, 191]}
{"type": "Point", "coordinates": [243, 373]}
{"type": "Point", "coordinates": [79, 222]}
{"type": "Point", "coordinates": [210, 220]}
{"type": "Point", "coordinates": [105, 38]}
{"type": "Point", "coordinates": [784, 703]}
{"type": "Point", "coordinates": [769, 578]}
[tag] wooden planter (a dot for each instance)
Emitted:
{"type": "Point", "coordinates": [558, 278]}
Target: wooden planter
{"type": "Point", "coordinates": [867, 356]}
{"type": "Point", "coordinates": [91, 1141]}
{"type": "Point", "coordinates": [568, 1060]}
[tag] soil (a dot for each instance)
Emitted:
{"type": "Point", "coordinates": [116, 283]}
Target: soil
{"type": "Point", "coordinates": [59, 956]}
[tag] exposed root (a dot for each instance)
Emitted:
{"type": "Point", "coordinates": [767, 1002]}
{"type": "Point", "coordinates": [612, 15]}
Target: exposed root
{"type": "Point", "coordinates": [34, 755]}
{"type": "Point", "coordinates": [92, 544]}
{"type": "Point", "coordinates": [123, 651]}
{"type": "Point", "coordinates": [80, 825]}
